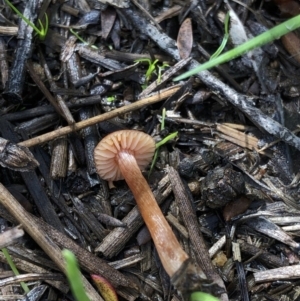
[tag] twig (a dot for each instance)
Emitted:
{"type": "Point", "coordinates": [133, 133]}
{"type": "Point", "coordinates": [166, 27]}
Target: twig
{"type": "Point", "coordinates": [290, 272]}
{"type": "Point", "coordinates": [39, 236]}
{"type": "Point", "coordinates": [163, 94]}
{"type": "Point", "coordinates": [195, 235]}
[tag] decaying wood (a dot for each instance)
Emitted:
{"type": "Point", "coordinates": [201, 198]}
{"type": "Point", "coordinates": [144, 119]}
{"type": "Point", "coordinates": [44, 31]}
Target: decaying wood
{"type": "Point", "coordinates": [266, 257]}
{"type": "Point", "coordinates": [26, 266]}
{"type": "Point", "coordinates": [91, 263]}
{"type": "Point", "coordinates": [45, 242]}
{"type": "Point", "coordinates": [113, 243]}
{"type": "Point", "coordinates": [289, 272]}
{"type": "Point", "coordinates": [31, 277]}
{"type": "Point", "coordinates": [190, 221]}
{"type": "Point", "coordinates": [15, 84]}
{"type": "Point", "coordinates": [58, 167]}
{"type": "Point", "coordinates": [106, 116]}
{"type": "Point", "coordinates": [10, 236]}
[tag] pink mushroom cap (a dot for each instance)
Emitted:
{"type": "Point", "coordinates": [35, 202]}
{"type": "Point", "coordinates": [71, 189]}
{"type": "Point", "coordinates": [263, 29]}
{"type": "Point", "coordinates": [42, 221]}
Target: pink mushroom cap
{"type": "Point", "coordinates": [106, 153]}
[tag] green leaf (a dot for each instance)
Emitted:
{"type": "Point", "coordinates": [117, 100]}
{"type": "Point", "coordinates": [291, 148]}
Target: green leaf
{"type": "Point", "coordinates": [200, 296]}
{"type": "Point", "coordinates": [74, 276]}
{"type": "Point", "coordinates": [264, 38]}
{"type": "Point", "coordinates": [14, 269]}
{"type": "Point", "coordinates": [166, 139]}
{"type": "Point", "coordinates": [41, 32]}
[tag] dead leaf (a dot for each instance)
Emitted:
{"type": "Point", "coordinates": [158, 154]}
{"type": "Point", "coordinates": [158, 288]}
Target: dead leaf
{"type": "Point", "coordinates": [235, 208]}
{"type": "Point", "coordinates": [108, 18]}
{"type": "Point", "coordinates": [185, 39]}
{"type": "Point", "coordinates": [288, 8]}
{"type": "Point", "coordinates": [291, 43]}
{"type": "Point", "coordinates": [105, 288]}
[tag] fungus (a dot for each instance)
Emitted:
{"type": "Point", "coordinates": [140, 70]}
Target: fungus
{"type": "Point", "coordinates": [121, 155]}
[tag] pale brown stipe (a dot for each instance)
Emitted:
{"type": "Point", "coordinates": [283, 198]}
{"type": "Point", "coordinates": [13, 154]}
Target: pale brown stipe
{"type": "Point", "coordinates": [120, 155]}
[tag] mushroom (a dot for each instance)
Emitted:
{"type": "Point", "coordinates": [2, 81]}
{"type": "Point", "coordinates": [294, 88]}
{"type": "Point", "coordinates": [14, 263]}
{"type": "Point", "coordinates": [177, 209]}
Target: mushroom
{"type": "Point", "coordinates": [121, 155]}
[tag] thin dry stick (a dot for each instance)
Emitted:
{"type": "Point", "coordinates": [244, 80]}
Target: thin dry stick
{"type": "Point", "coordinates": [161, 95]}
{"type": "Point", "coordinates": [275, 142]}
{"type": "Point", "coordinates": [195, 235]}
{"type": "Point", "coordinates": [39, 236]}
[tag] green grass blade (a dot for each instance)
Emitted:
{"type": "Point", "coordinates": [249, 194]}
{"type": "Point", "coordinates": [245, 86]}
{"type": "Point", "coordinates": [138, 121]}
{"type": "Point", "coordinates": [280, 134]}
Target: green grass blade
{"type": "Point", "coordinates": [74, 276]}
{"type": "Point", "coordinates": [14, 269]}
{"type": "Point", "coordinates": [225, 39]}
{"type": "Point", "coordinates": [200, 296]}
{"type": "Point", "coordinates": [163, 116]}
{"type": "Point", "coordinates": [264, 38]}
{"type": "Point", "coordinates": [166, 139]}
{"type": "Point", "coordinates": [27, 21]}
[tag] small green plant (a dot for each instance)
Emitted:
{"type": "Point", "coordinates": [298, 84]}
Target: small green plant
{"type": "Point", "coordinates": [81, 39]}
{"type": "Point", "coordinates": [163, 117]}
{"type": "Point", "coordinates": [166, 139]}
{"type": "Point", "coordinates": [74, 276]}
{"type": "Point", "coordinates": [14, 269]}
{"type": "Point", "coordinates": [161, 68]}
{"type": "Point", "coordinates": [225, 38]}
{"type": "Point", "coordinates": [162, 142]}
{"type": "Point", "coordinates": [111, 98]}
{"type": "Point", "coordinates": [42, 32]}
{"type": "Point", "coordinates": [76, 284]}
{"type": "Point", "coordinates": [200, 296]}
{"type": "Point", "coordinates": [262, 39]}
{"type": "Point", "coordinates": [152, 67]}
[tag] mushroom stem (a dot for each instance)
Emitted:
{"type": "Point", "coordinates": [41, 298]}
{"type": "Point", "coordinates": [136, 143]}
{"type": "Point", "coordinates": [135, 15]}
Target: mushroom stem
{"type": "Point", "coordinates": [169, 250]}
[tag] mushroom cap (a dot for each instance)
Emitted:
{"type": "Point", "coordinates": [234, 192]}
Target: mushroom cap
{"type": "Point", "coordinates": [139, 144]}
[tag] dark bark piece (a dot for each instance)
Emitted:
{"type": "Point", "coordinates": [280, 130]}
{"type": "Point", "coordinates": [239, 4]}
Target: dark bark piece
{"type": "Point", "coordinates": [38, 111]}
{"type": "Point", "coordinates": [3, 63]}
{"type": "Point", "coordinates": [265, 257]}
{"type": "Point", "coordinates": [34, 185]}
{"type": "Point", "coordinates": [265, 226]}
{"type": "Point", "coordinates": [242, 281]}
{"type": "Point", "coordinates": [15, 84]}
{"type": "Point", "coordinates": [108, 18]}
{"type": "Point", "coordinates": [55, 189]}
{"type": "Point", "coordinates": [28, 267]}
{"type": "Point", "coordinates": [59, 158]}
{"type": "Point", "coordinates": [36, 293]}
{"type": "Point", "coordinates": [37, 125]}
{"type": "Point", "coordinates": [96, 58]}
{"type": "Point", "coordinates": [109, 220]}
{"type": "Point", "coordinates": [191, 223]}
{"type": "Point", "coordinates": [88, 261]}
{"type": "Point", "coordinates": [89, 219]}
{"type": "Point", "coordinates": [221, 185]}
{"type": "Point", "coordinates": [63, 109]}
{"type": "Point", "coordinates": [42, 87]}
{"type": "Point", "coordinates": [91, 139]}
{"type": "Point", "coordinates": [16, 157]}
{"type": "Point", "coordinates": [120, 73]}
{"type": "Point", "coordinates": [113, 243]}
{"type": "Point", "coordinates": [74, 68]}
{"type": "Point", "coordinates": [90, 17]}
